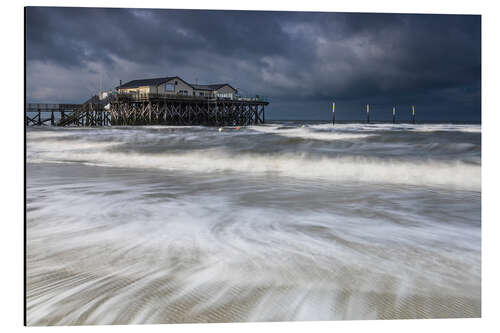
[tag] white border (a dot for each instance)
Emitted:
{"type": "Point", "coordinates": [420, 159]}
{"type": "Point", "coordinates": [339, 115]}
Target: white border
{"type": "Point", "coordinates": [12, 166]}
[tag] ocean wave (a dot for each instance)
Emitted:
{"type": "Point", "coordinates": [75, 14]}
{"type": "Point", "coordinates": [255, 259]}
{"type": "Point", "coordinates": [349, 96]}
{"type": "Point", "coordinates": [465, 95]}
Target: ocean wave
{"type": "Point", "coordinates": [466, 128]}
{"type": "Point", "coordinates": [336, 169]}
{"type": "Point", "coordinates": [309, 134]}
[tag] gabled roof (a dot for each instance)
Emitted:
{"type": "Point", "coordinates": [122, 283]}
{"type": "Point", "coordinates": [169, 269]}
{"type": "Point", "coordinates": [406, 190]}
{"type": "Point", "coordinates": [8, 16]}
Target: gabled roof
{"type": "Point", "coordinates": [147, 82]}
{"type": "Point", "coordinates": [210, 87]}
{"type": "Point", "coordinates": [161, 80]}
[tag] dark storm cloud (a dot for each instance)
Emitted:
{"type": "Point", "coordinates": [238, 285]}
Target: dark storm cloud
{"type": "Point", "coordinates": [301, 60]}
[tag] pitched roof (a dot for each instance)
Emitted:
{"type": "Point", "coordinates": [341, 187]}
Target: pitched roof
{"type": "Point", "coordinates": [207, 86]}
{"type": "Point", "coordinates": [210, 87]}
{"type": "Point", "coordinates": [146, 82]}
{"type": "Point", "coordinates": [161, 80]}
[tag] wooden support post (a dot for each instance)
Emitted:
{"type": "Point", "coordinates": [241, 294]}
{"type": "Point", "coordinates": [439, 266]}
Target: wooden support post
{"type": "Point", "coordinates": [367, 113]}
{"type": "Point", "coordinates": [52, 123]}
{"type": "Point", "coordinates": [30, 120]}
{"type": "Point", "coordinates": [86, 113]}
{"type": "Point", "coordinates": [248, 111]}
{"type": "Point", "coordinates": [413, 114]}
{"type": "Point", "coordinates": [394, 114]}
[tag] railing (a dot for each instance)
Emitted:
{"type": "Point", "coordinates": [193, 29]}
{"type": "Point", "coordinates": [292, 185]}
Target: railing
{"type": "Point", "coordinates": [253, 99]}
{"type": "Point", "coordinates": [148, 96]}
{"type": "Point", "coordinates": [210, 98]}
{"type": "Point", "coordinates": [46, 107]}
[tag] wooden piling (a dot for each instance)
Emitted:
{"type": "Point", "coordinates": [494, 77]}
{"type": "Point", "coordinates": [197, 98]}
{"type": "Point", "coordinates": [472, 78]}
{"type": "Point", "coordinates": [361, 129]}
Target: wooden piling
{"type": "Point", "coordinates": [333, 113]}
{"type": "Point", "coordinates": [413, 114]}
{"type": "Point", "coordinates": [393, 114]}
{"type": "Point", "coordinates": [367, 113]}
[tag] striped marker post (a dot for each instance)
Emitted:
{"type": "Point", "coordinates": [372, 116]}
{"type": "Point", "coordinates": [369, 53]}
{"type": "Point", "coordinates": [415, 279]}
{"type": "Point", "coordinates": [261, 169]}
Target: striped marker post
{"type": "Point", "coordinates": [333, 113]}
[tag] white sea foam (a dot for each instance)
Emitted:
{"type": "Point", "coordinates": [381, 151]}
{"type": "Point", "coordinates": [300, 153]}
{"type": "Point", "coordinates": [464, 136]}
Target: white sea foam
{"type": "Point", "coordinates": [308, 133]}
{"type": "Point", "coordinates": [108, 261]}
{"type": "Point", "coordinates": [466, 128]}
{"type": "Point", "coordinates": [338, 169]}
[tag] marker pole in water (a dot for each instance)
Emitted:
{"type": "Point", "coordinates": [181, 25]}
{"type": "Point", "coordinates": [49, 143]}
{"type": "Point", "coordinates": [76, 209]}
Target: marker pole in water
{"type": "Point", "coordinates": [333, 113]}
{"type": "Point", "coordinates": [367, 113]}
{"type": "Point", "coordinates": [393, 114]}
{"type": "Point", "coordinates": [413, 113]}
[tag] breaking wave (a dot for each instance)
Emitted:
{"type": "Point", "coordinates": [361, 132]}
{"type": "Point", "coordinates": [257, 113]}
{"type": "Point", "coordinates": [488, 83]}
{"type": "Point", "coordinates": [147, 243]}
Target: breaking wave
{"type": "Point", "coordinates": [340, 169]}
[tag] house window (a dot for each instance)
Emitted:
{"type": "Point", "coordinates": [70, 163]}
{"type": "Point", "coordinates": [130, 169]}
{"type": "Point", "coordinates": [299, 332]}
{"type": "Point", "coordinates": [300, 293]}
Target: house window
{"type": "Point", "coordinates": [202, 93]}
{"type": "Point", "coordinates": [225, 95]}
{"type": "Point", "coordinates": [169, 87]}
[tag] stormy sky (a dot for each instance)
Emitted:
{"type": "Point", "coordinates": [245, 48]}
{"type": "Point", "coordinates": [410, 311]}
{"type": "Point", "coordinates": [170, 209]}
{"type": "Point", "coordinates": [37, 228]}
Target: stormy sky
{"type": "Point", "coordinates": [301, 60]}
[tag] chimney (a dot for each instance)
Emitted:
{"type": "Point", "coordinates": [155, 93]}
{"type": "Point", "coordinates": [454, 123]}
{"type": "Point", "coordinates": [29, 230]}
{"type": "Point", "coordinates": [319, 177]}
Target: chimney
{"type": "Point", "coordinates": [120, 83]}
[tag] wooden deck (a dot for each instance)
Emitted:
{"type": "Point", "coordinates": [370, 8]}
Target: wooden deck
{"type": "Point", "coordinates": [89, 114]}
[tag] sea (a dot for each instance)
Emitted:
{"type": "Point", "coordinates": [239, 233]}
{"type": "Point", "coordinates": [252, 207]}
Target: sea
{"type": "Point", "coordinates": [284, 221]}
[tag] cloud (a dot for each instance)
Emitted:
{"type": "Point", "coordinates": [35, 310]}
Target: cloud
{"type": "Point", "coordinates": [293, 57]}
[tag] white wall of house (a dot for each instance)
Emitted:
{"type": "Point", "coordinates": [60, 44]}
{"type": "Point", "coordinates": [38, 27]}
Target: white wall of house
{"type": "Point", "coordinates": [171, 87]}
{"type": "Point", "coordinates": [226, 92]}
{"type": "Point", "coordinates": [142, 90]}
